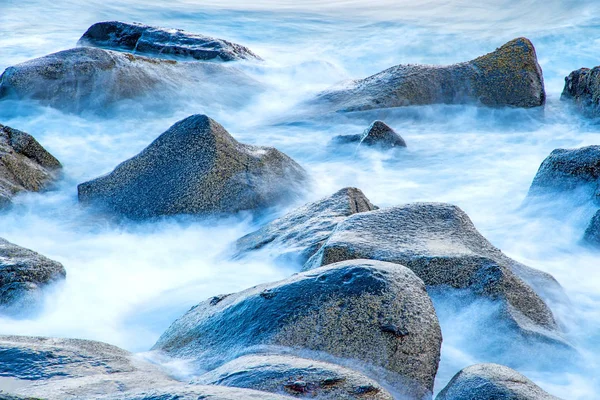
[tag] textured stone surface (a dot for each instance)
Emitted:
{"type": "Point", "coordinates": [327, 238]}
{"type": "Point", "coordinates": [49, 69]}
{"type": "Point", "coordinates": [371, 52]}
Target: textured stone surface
{"type": "Point", "coordinates": [376, 314]}
{"type": "Point", "coordinates": [24, 164]}
{"type": "Point", "coordinates": [582, 89]}
{"type": "Point", "coordinates": [575, 171]}
{"type": "Point", "coordinates": [23, 275]}
{"type": "Point", "coordinates": [442, 246]}
{"type": "Point", "coordinates": [378, 134]}
{"type": "Point", "coordinates": [87, 78]}
{"type": "Point", "coordinates": [160, 42]}
{"type": "Point", "coordinates": [300, 233]}
{"type": "Point", "coordinates": [492, 382]}
{"type": "Point", "coordinates": [509, 76]}
{"type": "Point", "coordinates": [295, 376]}
{"type": "Point", "coordinates": [592, 233]}
{"type": "Point", "coordinates": [196, 167]}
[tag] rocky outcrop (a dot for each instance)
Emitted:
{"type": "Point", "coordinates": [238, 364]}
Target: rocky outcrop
{"type": "Point", "coordinates": [196, 167]}
{"type": "Point", "coordinates": [160, 42]}
{"type": "Point", "coordinates": [582, 88]}
{"type": "Point", "coordinates": [378, 134]}
{"type": "Point", "coordinates": [24, 164]}
{"type": "Point", "coordinates": [69, 369]}
{"type": "Point", "coordinates": [91, 78]}
{"type": "Point", "coordinates": [575, 172]}
{"type": "Point", "coordinates": [376, 315]}
{"type": "Point", "coordinates": [299, 234]}
{"type": "Point", "coordinates": [295, 376]}
{"type": "Point", "coordinates": [442, 246]}
{"type": "Point", "coordinates": [23, 276]}
{"type": "Point", "coordinates": [592, 233]}
{"type": "Point", "coordinates": [492, 382]}
{"type": "Point", "coordinates": [509, 76]}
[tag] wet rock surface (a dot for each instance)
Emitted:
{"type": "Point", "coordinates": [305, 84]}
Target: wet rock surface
{"type": "Point", "coordinates": [582, 89]}
{"type": "Point", "coordinates": [592, 233]}
{"type": "Point", "coordinates": [378, 134]}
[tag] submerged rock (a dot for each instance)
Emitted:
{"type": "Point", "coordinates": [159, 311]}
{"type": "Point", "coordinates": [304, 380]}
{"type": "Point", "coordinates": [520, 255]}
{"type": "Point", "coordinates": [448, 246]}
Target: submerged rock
{"type": "Point", "coordinates": [196, 167]}
{"type": "Point", "coordinates": [69, 369]}
{"type": "Point", "coordinates": [442, 246]}
{"type": "Point", "coordinates": [23, 275]}
{"type": "Point", "coordinates": [573, 171]}
{"type": "Point", "coordinates": [509, 76]}
{"type": "Point", "coordinates": [295, 376]}
{"type": "Point", "coordinates": [582, 87]}
{"type": "Point", "coordinates": [492, 382]}
{"type": "Point", "coordinates": [378, 134]}
{"type": "Point", "coordinates": [160, 42]}
{"type": "Point", "coordinates": [86, 78]}
{"type": "Point", "coordinates": [300, 233]}
{"type": "Point", "coordinates": [592, 233]}
{"type": "Point", "coordinates": [24, 164]}
{"type": "Point", "coordinates": [374, 314]}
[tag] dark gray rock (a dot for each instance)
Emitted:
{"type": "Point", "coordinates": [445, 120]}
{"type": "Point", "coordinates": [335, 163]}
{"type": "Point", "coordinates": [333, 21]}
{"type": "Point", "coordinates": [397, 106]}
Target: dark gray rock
{"type": "Point", "coordinates": [91, 78]}
{"type": "Point", "coordinates": [69, 369]}
{"type": "Point", "coordinates": [492, 382]}
{"type": "Point", "coordinates": [582, 88]}
{"type": "Point", "coordinates": [592, 233]}
{"type": "Point", "coordinates": [196, 167]}
{"type": "Point", "coordinates": [159, 42]}
{"type": "Point", "coordinates": [299, 234]}
{"type": "Point", "coordinates": [375, 315]}
{"type": "Point", "coordinates": [24, 164]}
{"type": "Point", "coordinates": [23, 276]}
{"type": "Point", "coordinates": [442, 246]}
{"type": "Point", "coordinates": [575, 172]}
{"type": "Point", "coordinates": [295, 376]}
{"type": "Point", "coordinates": [509, 76]}
{"type": "Point", "coordinates": [378, 134]}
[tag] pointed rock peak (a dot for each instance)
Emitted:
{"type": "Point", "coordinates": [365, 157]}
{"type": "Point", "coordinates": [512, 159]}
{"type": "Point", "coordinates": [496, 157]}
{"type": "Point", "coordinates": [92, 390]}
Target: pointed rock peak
{"type": "Point", "coordinates": [356, 199]}
{"type": "Point", "coordinates": [379, 133]}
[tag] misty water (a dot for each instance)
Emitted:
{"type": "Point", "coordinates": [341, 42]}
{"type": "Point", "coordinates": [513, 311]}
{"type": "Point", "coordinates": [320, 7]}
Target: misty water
{"type": "Point", "coordinates": [126, 282]}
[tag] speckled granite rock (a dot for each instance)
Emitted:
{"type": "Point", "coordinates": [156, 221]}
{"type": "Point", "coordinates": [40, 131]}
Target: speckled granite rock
{"type": "Point", "coordinates": [300, 233]}
{"type": "Point", "coordinates": [592, 233]}
{"type": "Point", "coordinates": [378, 134]}
{"type": "Point", "coordinates": [160, 42]}
{"type": "Point", "coordinates": [24, 164]}
{"type": "Point", "coordinates": [23, 276]}
{"type": "Point", "coordinates": [509, 76]}
{"type": "Point", "coordinates": [376, 314]}
{"type": "Point", "coordinates": [299, 377]}
{"type": "Point", "coordinates": [196, 167]}
{"type": "Point", "coordinates": [582, 88]}
{"type": "Point", "coordinates": [492, 382]}
{"type": "Point", "coordinates": [442, 246]}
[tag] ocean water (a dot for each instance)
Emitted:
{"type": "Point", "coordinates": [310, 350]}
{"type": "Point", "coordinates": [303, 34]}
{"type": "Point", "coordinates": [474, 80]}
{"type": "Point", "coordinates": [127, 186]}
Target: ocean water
{"type": "Point", "coordinates": [128, 281]}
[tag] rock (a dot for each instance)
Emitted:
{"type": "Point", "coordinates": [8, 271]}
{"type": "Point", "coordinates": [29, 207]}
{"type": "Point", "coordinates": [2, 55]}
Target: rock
{"type": "Point", "coordinates": [159, 42]}
{"type": "Point", "coordinates": [23, 276]}
{"type": "Point", "coordinates": [374, 315]}
{"type": "Point", "coordinates": [196, 167]}
{"type": "Point", "coordinates": [69, 369]}
{"type": "Point", "coordinates": [592, 233]}
{"type": "Point", "coordinates": [377, 134]}
{"type": "Point", "coordinates": [295, 376]}
{"type": "Point", "coordinates": [442, 246]}
{"type": "Point", "coordinates": [24, 164]}
{"type": "Point", "coordinates": [492, 382]}
{"type": "Point", "coordinates": [91, 78]}
{"type": "Point", "coordinates": [299, 234]}
{"type": "Point", "coordinates": [582, 89]}
{"type": "Point", "coordinates": [572, 171]}
{"type": "Point", "coordinates": [509, 76]}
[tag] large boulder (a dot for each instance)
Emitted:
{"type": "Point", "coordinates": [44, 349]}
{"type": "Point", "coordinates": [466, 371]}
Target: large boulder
{"type": "Point", "coordinates": [492, 382]}
{"type": "Point", "coordinates": [575, 172]}
{"type": "Point", "coordinates": [442, 246]}
{"type": "Point", "coordinates": [509, 76]}
{"type": "Point", "coordinates": [582, 88]}
{"type": "Point", "coordinates": [159, 42]}
{"type": "Point", "coordinates": [375, 316]}
{"type": "Point", "coordinates": [295, 376]}
{"type": "Point", "coordinates": [196, 167]}
{"type": "Point", "coordinates": [300, 233]}
{"type": "Point", "coordinates": [23, 276]}
{"type": "Point", "coordinates": [69, 369]}
{"type": "Point", "coordinates": [91, 78]}
{"type": "Point", "coordinates": [24, 164]}
{"type": "Point", "coordinates": [378, 134]}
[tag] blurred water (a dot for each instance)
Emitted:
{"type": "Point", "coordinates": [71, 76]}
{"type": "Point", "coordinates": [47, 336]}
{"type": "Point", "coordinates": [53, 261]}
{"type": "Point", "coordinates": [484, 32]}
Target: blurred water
{"type": "Point", "coordinates": [126, 282]}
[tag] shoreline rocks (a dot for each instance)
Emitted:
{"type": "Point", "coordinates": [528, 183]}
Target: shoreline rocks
{"type": "Point", "coordinates": [159, 42]}
{"type": "Point", "coordinates": [196, 167]}
{"type": "Point", "coordinates": [582, 89]}
{"type": "Point", "coordinates": [378, 134]}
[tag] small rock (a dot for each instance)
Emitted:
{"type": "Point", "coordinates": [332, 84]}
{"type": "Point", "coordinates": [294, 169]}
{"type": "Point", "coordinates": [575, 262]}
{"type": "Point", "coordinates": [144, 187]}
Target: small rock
{"type": "Point", "coordinates": [377, 134]}
{"type": "Point", "coordinates": [592, 233]}
{"type": "Point", "coordinates": [582, 89]}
